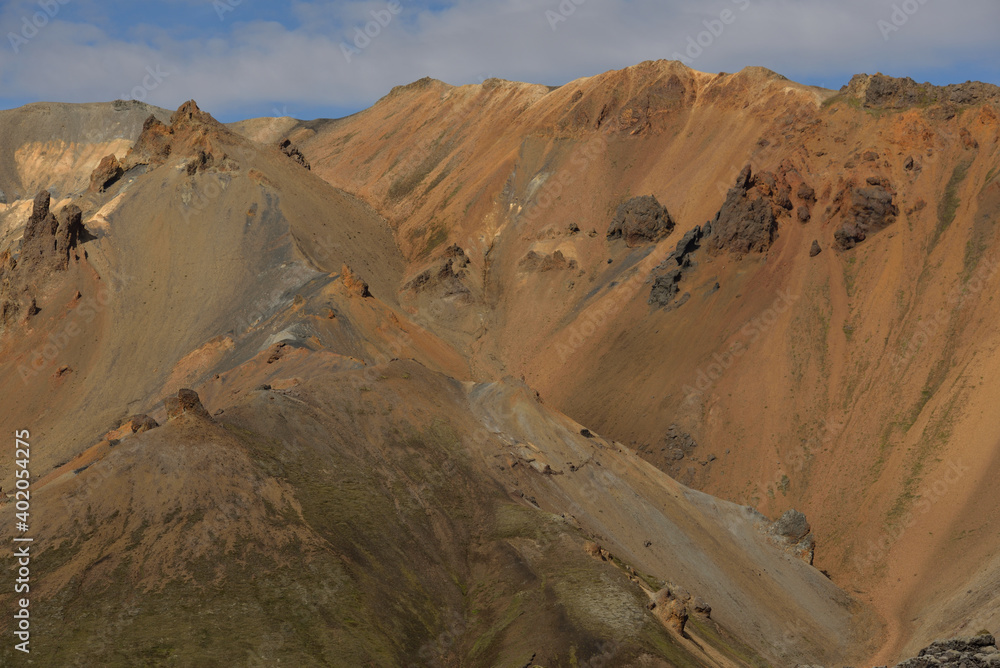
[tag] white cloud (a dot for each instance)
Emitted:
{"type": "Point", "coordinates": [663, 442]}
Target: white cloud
{"type": "Point", "coordinates": [251, 62]}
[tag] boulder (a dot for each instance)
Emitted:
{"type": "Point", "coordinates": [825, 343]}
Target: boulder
{"type": "Point", "coordinates": [641, 220]}
{"type": "Point", "coordinates": [670, 609]}
{"type": "Point", "coordinates": [187, 402]}
{"type": "Point", "coordinates": [792, 525]}
{"type": "Point", "coordinates": [792, 533]}
{"type": "Point", "coordinates": [815, 249]}
{"type": "Point", "coordinates": [107, 172]}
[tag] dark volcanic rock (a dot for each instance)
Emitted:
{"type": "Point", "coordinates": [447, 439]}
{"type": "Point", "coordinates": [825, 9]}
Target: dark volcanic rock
{"type": "Point", "coordinates": [881, 91]}
{"type": "Point", "coordinates": [107, 172]}
{"type": "Point", "coordinates": [641, 220]}
{"type": "Point", "coordinates": [687, 245]}
{"type": "Point", "coordinates": [977, 652]}
{"type": "Point", "coordinates": [665, 288]}
{"type": "Point", "coordinates": [292, 151]}
{"type": "Point", "coordinates": [872, 208]}
{"type": "Point", "coordinates": [747, 221]}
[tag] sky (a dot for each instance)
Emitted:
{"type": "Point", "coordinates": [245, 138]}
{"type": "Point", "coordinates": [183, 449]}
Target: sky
{"type": "Point", "coordinates": [326, 59]}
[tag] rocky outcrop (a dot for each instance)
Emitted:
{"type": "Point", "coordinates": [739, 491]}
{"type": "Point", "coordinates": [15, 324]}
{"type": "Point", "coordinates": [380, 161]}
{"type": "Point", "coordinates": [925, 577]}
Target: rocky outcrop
{"type": "Point", "coordinates": [107, 172]}
{"type": "Point", "coordinates": [152, 147]}
{"type": "Point", "coordinates": [879, 91]}
{"type": "Point", "coordinates": [641, 220]}
{"type": "Point", "coordinates": [977, 652]}
{"type": "Point", "coordinates": [291, 150]}
{"type": "Point", "coordinates": [872, 208]}
{"type": "Point", "coordinates": [192, 134]}
{"type": "Point", "coordinates": [48, 245]}
{"type": "Point", "coordinates": [671, 610]}
{"type": "Point", "coordinates": [187, 402]}
{"type": "Point", "coordinates": [48, 241]}
{"type": "Point", "coordinates": [792, 533]}
{"type": "Point", "coordinates": [445, 276]}
{"type": "Point", "coordinates": [136, 424]}
{"type": "Point", "coordinates": [747, 221]}
{"type": "Point", "coordinates": [353, 283]}
{"type": "Point", "coordinates": [666, 287]}
{"type": "Point", "coordinates": [540, 262]}
{"type": "Point", "coordinates": [815, 250]}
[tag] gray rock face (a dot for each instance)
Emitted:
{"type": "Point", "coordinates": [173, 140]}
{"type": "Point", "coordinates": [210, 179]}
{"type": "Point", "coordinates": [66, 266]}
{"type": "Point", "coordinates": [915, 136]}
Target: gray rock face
{"type": "Point", "coordinates": [978, 652]}
{"type": "Point", "coordinates": [792, 524]}
{"type": "Point", "coordinates": [641, 220]}
{"type": "Point", "coordinates": [872, 208]}
{"type": "Point", "coordinates": [881, 91]}
{"type": "Point", "coordinates": [746, 222]}
{"type": "Point", "coordinates": [666, 288]}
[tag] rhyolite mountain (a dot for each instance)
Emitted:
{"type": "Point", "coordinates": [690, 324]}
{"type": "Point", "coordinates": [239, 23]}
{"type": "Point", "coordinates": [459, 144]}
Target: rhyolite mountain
{"type": "Point", "coordinates": [510, 375]}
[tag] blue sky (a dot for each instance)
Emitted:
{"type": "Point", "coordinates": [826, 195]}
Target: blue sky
{"type": "Point", "coordinates": [247, 58]}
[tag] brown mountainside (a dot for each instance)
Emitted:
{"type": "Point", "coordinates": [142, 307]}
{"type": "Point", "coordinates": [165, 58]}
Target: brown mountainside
{"type": "Point", "coordinates": [728, 285]}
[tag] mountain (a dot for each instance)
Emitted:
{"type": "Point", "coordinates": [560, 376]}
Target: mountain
{"type": "Point", "coordinates": [508, 374]}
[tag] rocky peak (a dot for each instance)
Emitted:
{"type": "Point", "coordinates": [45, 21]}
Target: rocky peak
{"type": "Point", "coordinates": [192, 134]}
{"type": "Point", "coordinates": [881, 91]}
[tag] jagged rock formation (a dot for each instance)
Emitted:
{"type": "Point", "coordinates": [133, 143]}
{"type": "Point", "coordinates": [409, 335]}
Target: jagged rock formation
{"type": "Point", "coordinates": [881, 91]}
{"type": "Point", "coordinates": [872, 208]}
{"type": "Point", "coordinates": [291, 150]}
{"type": "Point", "coordinates": [192, 134]}
{"type": "Point", "coordinates": [152, 147]}
{"type": "Point", "coordinates": [48, 245]}
{"type": "Point", "coordinates": [746, 222]}
{"type": "Point", "coordinates": [667, 287]}
{"type": "Point", "coordinates": [107, 172]}
{"type": "Point", "coordinates": [748, 219]}
{"type": "Point", "coordinates": [815, 249]}
{"type": "Point", "coordinates": [641, 220]}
